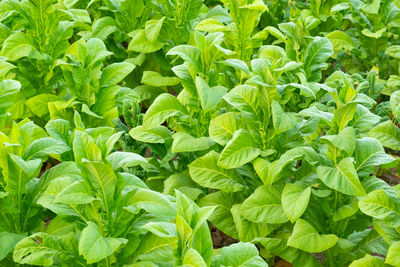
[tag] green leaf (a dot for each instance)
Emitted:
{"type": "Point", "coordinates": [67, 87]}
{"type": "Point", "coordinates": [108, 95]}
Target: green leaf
{"type": "Point", "coordinates": [370, 153]}
{"type": "Point", "coordinates": [306, 238]}
{"type": "Point", "coordinates": [153, 78]}
{"type": "Point", "coordinates": [264, 205]}
{"type": "Point", "coordinates": [103, 179]}
{"type": "Point", "coordinates": [393, 255]}
{"type": "Point", "coordinates": [245, 98]}
{"type": "Point", "coordinates": [8, 92]}
{"type": "Point", "coordinates": [209, 96]}
{"type": "Point", "coordinates": [368, 261]}
{"type": "Point", "coordinates": [343, 116]}
{"type": "Point", "coordinates": [94, 247]}
{"type": "Point", "coordinates": [207, 173]}
{"type": "Point", "coordinates": [38, 104]}
{"type": "Point", "coordinates": [346, 211]}
{"type": "Point", "coordinates": [77, 193]}
{"type": "Point", "coordinates": [239, 254]}
{"type": "Point", "coordinates": [395, 104]}
{"type": "Point", "coordinates": [120, 159]}
{"type": "Point", "coordinates": [222, 128]}
{"type": "Point", "coordinates": [8, 242]}
{"type": "Point", "coordinates": [343, 178]}
{"type": "Point", "coordinates": [282, 121]}
{"type": "Point", "coordinates": [163, 107]}
{"type": "Point", "coordinates": [380, 205]}
{"type": "Point", "coordinates": [17, 45]}
{"type": "Point", "coordinates": [140, 43]}
{"type": "Point", "coordinates": [345, 141]}
{"type": "Point", "coordinates": [388, 134]}
{"type": "Point", "coordinates": [115, 73]}
{"type": "Point", "coordinates": [295, 200]}
{"type": "Point", "coordinates": [238, 151]}
{"type": "Point", "coordinates": [43, 147]}
{"type": "Point", "coordinates": [37, 249]}
{"type": "Point", "coordinates": [237, 64]}
{"type": "Point", "coordinates": [193, 258]}
{"type": "Point", "coordinates": [341, 41]}
{"type": "Point", "coordinates": [184, 142]}
{"type": "Point", "coordinates": [152, 29]}
{"type": "Point", "coordinates": [318, 51]}
{"type": "Point", "coordinates": [155, 135]}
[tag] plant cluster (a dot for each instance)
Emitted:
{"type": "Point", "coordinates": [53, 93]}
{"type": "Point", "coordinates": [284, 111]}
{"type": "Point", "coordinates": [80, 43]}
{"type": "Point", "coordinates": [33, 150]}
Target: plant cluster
{"type": "Point", "coordinates": [129, 128]}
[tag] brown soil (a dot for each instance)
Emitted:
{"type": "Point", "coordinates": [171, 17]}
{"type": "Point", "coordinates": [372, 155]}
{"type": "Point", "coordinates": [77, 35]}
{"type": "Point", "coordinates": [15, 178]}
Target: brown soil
{"type": "Point", "coordinates": [220, 239]}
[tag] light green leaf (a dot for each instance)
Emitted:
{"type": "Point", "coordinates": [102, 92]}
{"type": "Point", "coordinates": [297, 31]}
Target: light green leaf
{"type": "Point", "coordinates": [343, 116]}
{"type": "Point", "coordinates": [103, 180]}
{"type": "Point", "coordinates": [114, 73]}
{"type": "Point", "coordinates": [155, 135]}
{"type": "Point", "coordinates": [120, 159]}
{"type": "Point", "coordinates": [370, 153]}
{"type": "Point", "coordinates": [193, 258]}
{"type": "Point", "coordinates": [305, 237]}
{"type": "Point", "coordinates": [94, 247]}
{"type": "Point", "coordinates": [318, 51]}
{"type": "Point", "coordinates": [393, 255]}
{"type": "Point", "coordinates": [163, 107]}
{"type": "Point", "coordinates": [222, 128]}
{"type": "Point", "coordinates": [41, 148]}
{"type": "Point", "coordinates": [282, 121]}
{"type": "Point", "coordinates": [209, 96]}
{"type": "Point", "coordinates": [295, 200]}
{"type": "Point", "coordinates": [264, 205]}
{"type": "Point", "coordinates": [153, 78]}
{"type": "Point", "coordinates": [388, 134]}
{"type": "Point", "coordinates": [17, 45]}
{"type": "Point", "coordinates": [37, 249]}
{"type": "Point", "coordinates": [341, 41]}
{"type": "Point", "coordinates": [368, 261]}
{"type": "Point", "coordinates": [343, 178]}
{"type": "Point", "coordinates": [380, 205]}
{"type": "Point", "coordinates": [8, 242]}
{"type": "Point", "coordinates": [395, 104]}
{"type": "Point", "coordinates": [238, 151]}
{"type": "Point", "coordinates": [239, 255]}
{"type": "Point", "coordinates": [207, 173]}
{"type": "Point", "coordinates": [38, 104]}
{"type": "Point", "coordinates": [184, 142]}
{"type": "Point", "coordinates": [77, 193]}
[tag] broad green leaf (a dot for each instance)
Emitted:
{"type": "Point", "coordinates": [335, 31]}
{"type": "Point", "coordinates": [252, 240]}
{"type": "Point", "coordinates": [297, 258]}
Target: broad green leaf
{"type": "Point", "coordinates": [295, 200]}
{"type": "Point", "coordinates": [8, 242]}
{"type": "Point", "coordinates": [237, 64]}
{"type": "Point", "coordinates": [140, 43]}
{"type": "Point", "coordinates": [94, 247]}
{"type": "Point", "coordinates": [264, 205]}
{"type": "Point", "coordinates": [37, 249]}
{"type": "Point", "coordinates": [103, 180]}
{"type": "Point", "coordinates": [39, 103]}
{"type": "Point", "coordinates": [343, 116]}
{"type": "Point", "coordinates": [155, 249]}
{"type": "Point", "coordinates": [345, 141]}
{"type": "Point", "coordinates": [395, 104]}
{"type": "Point", "coordinates": [19, 173]}
{"type": "Point", "coordinates": [43, 147]}
{"type": "Point", "coordinates": [239, 254]}
{"type": "Point", "coordinates": [244, 98]}
{"type": "Point", "coordinates": [163, 107]}
{"type": "Point", "coordinates": [209, 96]}
{"type": "Point", "coordinates": [17, 45]}
{"type": "Point", "coordinates": [240, 150]}
{"type": "Point", "coordinates": [368, 261]}
{"type": "Point", "coordinates": [318, 51]}
{"type": "Point", "coordinates": [380, 205]}
{"type": "Point", "coordinates": [346, 211]}
{"type": "Point", "coordinates": [207, 173]}
{"type": "Point", "coordinates": [156, 135]}
{"type": "Point", "coordinates": [341, 41]}
{"type": "Point", "coordinates": [314, 112]}
{"type": "Point", "coordinates": [114, 73]}
{"type": "Point", "coordinates": [120, 159]}
{"type": "Point", "coordinates": [152, 29]}
{"type": "Point", "coordinates": [247, 230]}
{"type": "Point", "coordinates": [184, 142]}
{"type": "Point", "coordinates": [370, 153]}
{"type": "Point", "coordinates": [211, 25]}
{"type": "Point", "coordinates": [77, 193]}
{"type": "Point", "coordinates": [282, 121]}
{"type": "Point", "coordinates": [222, 128]}
{"type": "Point", "coordinates": [193, 258]}
{"type": "Point", "coordinates": [388, 134]}
{"type": "Point", "coordinates": [153, 78]}
{"type": "Point", "coordinates": [393, 255]}
{"type": "Point", "coordinates": [305, 237]}
{"type": "Point", "coordinates": [343, 178]}
{"type": "Point", "coordinates": [151, 201]}
{"type": "Point", "coordinates": [8, 93]}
